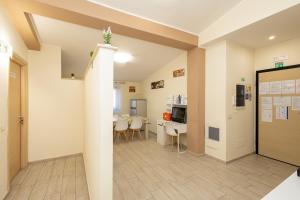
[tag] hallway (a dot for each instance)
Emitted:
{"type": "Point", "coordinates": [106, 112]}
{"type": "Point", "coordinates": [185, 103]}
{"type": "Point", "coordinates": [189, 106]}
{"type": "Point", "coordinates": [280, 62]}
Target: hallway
{"type": "Point", "coordinates": [56, 179]}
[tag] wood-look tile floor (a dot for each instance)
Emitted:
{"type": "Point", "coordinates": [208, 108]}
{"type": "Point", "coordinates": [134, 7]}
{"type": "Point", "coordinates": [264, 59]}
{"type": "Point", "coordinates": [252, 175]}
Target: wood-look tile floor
{"type": "Point", "coordinates": [145, 170]}
{"type": "Point", "coordinates": [57, 179]}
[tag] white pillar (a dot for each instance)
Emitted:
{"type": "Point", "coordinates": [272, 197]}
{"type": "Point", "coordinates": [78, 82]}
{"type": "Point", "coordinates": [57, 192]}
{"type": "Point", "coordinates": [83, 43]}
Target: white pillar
{"type": "Point", "coordinates": [99, 124]}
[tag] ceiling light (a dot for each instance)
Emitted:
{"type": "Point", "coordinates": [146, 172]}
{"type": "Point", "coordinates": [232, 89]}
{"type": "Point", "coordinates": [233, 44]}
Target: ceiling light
{"type": "Point", "coordinates": [122, 57]}
{"type": "Point", "coordinates": [272, 37]}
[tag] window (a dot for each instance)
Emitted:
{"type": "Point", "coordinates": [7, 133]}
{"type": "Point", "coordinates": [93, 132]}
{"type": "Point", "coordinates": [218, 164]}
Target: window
{"type": "Point", "coordinates": [117, 100]}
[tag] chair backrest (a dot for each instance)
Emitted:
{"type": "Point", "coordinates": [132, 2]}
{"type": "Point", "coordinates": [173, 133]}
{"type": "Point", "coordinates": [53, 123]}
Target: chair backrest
{"type": "Point", "coordinates": [125, 115]}
{"type": "Point", "coordinates": [136, 123]}
{"type": "Point", "coordinates": [116, 117]}
{"type": "Point", "coordinates": [121, 125]}
{"type": "Point", "coordinates": [169, 128]}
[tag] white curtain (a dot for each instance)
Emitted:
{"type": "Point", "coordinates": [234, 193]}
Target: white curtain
{"type": "Point", "coordinates": [117, 100]}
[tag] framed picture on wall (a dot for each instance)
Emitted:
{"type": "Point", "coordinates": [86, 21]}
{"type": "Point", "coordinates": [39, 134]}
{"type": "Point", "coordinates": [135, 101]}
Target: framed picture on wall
{"type": "Point", "coordinates": [178, 73]}
{"type": "Point", "coordinates": [157, 84]}
{"type": "Point", "coordinates": [131, 88]}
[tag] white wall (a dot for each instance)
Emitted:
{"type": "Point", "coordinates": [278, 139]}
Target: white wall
{"type": "Point", "coordinates": [4, 71]}
{"type": "Point", "coordinates": [56, 117]}
{"type": "Point", "coordinates": [9, 35]}
{"type": "Point", "coordinates": [264, 56]}
{"type": "Point", "coordinates": [126, 95]}
{"type": "Point", "coordinates": [98, 150]}
{"type": "Point", "coordinates": [157, 98]}
{"type": "Point", "coordinates": [215, 98]}
{"type": "Point", "coordinates": [240, 122]}
{"type": "Point", "coordinates": [226, 64]}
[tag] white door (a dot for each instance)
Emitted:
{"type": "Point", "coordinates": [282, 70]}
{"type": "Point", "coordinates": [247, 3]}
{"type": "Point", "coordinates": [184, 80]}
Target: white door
{"type": "Point", "coordinates": [142, 108]}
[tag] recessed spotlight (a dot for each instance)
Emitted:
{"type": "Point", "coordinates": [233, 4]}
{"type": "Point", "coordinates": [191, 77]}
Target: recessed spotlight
{"type": "Point", "coordinates": [272, 37]}
{"type": "Point", "coordinates": [122, 57]}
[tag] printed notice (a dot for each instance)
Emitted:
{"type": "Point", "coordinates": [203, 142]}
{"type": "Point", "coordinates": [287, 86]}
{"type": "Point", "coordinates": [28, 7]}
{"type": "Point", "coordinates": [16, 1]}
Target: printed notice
{"type": "Point", "coordinates": [275, 87]}
{"type": "Point", "coordinates": [266, 102]}
{"type": "Point", "coordinates": [288, 87]}
{"type": "Point", "coordinates": [266, 116]}
{"type": "Point", "coordinates": [277, 101]}
{"type": "Point", "coordinates": [298, 86]}
{"type": "Point", "coordinates": [282, 101]}
{"type": "Point", "coordinates": [13, 75]}
{"type": "Point", "coordinates": [264, 88]}
{"type": "Point", "coordinates": [286, 101]}
{"type": "Point", "coordinates": [296, 103]}
{"type": "Point", "coordinates": [281, 112]}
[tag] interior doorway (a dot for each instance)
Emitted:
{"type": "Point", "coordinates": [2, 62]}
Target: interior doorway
{"type": "Point", "coordinates": [17, 117]}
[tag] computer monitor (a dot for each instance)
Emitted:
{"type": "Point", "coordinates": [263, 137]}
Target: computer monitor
{"type": "Point", "coordinates": [179, 114]}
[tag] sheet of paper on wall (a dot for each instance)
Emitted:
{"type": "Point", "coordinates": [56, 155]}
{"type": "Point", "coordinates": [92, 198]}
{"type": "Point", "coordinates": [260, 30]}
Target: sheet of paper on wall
{"type": "Point", "coordinates": [282, 101]}
{"type": "Point", "coordinates": [282, 112]}
{"type": "Point", "coordinates": [267, 115]}
{"type": "Point", "coordinates": [298, 86]}
{"type": "Point", "coordinates": [288, 87]}
{"type": "Point", "coordinates": [264, 88]}
{"type": "Point", "coordinates": [277, 101]}
{"type": "Point", "coordinates": [266, 102]}
{"type": "Point", "coordinates": [286, 101]}
{"type": "Point", "coordinates": [296, 103]}
{"type": "Point", "coordinates": [275, 87]}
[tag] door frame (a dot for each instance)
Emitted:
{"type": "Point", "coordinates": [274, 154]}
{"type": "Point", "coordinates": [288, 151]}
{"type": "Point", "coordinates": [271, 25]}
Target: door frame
{"type": "Point", "coordinates": [257, 104]}
{"type": "Point", "coordinates": [24, 111]}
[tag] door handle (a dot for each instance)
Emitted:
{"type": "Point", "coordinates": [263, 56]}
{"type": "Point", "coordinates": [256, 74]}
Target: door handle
{"type": "Point", "coordinates": [21, 120]}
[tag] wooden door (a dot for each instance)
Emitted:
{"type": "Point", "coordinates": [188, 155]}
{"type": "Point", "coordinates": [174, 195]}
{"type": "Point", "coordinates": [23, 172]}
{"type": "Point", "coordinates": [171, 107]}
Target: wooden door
{"type": "Point", "coordinates": [278, 138]}
{"type": "Point", "coordinates": [14, 135]}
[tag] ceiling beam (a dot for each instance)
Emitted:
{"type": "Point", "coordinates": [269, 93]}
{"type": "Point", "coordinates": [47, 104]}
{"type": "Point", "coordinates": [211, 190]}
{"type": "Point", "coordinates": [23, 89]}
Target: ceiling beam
{"type": "Point", "coordinates": [24, 24]}
{"type": "Point", "coordinates": [92, 15]}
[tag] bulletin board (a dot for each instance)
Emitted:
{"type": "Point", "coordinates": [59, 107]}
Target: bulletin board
{"type": "Point", "coordinates": [278, 114]}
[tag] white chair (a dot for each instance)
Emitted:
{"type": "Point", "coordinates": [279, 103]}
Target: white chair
{"type": "Point", "coordinates": [125, 115]}
{"type": "Point", "coordinates": [136, 125]}
{"type": "Point", "coordinates": [115, 117]}
{"type": "Point", "coordinates": [170, 130]}
{"type": "Point", "coordinates": [121, 128]}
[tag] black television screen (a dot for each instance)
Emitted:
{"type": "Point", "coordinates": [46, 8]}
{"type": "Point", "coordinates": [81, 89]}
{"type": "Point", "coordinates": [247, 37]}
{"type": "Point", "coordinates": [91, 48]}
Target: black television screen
{"type": "Point", "coordinates": [179, 114]}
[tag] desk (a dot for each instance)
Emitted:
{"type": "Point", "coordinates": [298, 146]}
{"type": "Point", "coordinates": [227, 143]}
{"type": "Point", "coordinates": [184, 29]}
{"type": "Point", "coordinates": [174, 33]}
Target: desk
{"type": "Point", "coordinates": [288, 189]}
{"type": "Point", "coordinates": [145, 121]}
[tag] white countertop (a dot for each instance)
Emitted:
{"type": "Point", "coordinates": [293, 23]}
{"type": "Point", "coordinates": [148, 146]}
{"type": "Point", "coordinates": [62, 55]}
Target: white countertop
{"type": "Point", "coordinates": [288, 189]}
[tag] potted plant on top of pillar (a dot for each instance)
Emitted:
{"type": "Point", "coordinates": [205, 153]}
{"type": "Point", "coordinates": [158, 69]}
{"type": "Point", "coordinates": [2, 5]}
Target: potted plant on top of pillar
{"type": "Point", "coordinates": [107, 36]}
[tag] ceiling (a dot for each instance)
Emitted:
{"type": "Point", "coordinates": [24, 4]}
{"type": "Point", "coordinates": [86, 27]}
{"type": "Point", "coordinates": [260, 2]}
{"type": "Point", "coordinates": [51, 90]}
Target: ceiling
{"type": "Point", "coordinates": [284, 26]}
{"type": "Point", "coordinates": [77, 42]}
{"type": "Point", "coordinates": [188, 15]}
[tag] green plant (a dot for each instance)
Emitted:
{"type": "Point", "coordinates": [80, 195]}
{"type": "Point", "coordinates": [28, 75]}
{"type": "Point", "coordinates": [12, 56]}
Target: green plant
{"type": "Point", "coordinates": [107, 36]}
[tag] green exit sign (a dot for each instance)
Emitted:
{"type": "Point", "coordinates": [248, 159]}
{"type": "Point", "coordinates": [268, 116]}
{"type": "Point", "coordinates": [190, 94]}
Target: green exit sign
{"type": "Point", "coordinates": [279, 65]}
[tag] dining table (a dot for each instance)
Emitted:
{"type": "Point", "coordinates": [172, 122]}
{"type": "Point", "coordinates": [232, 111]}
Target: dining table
{"type": "Point", "coordinates": [144, 119]}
